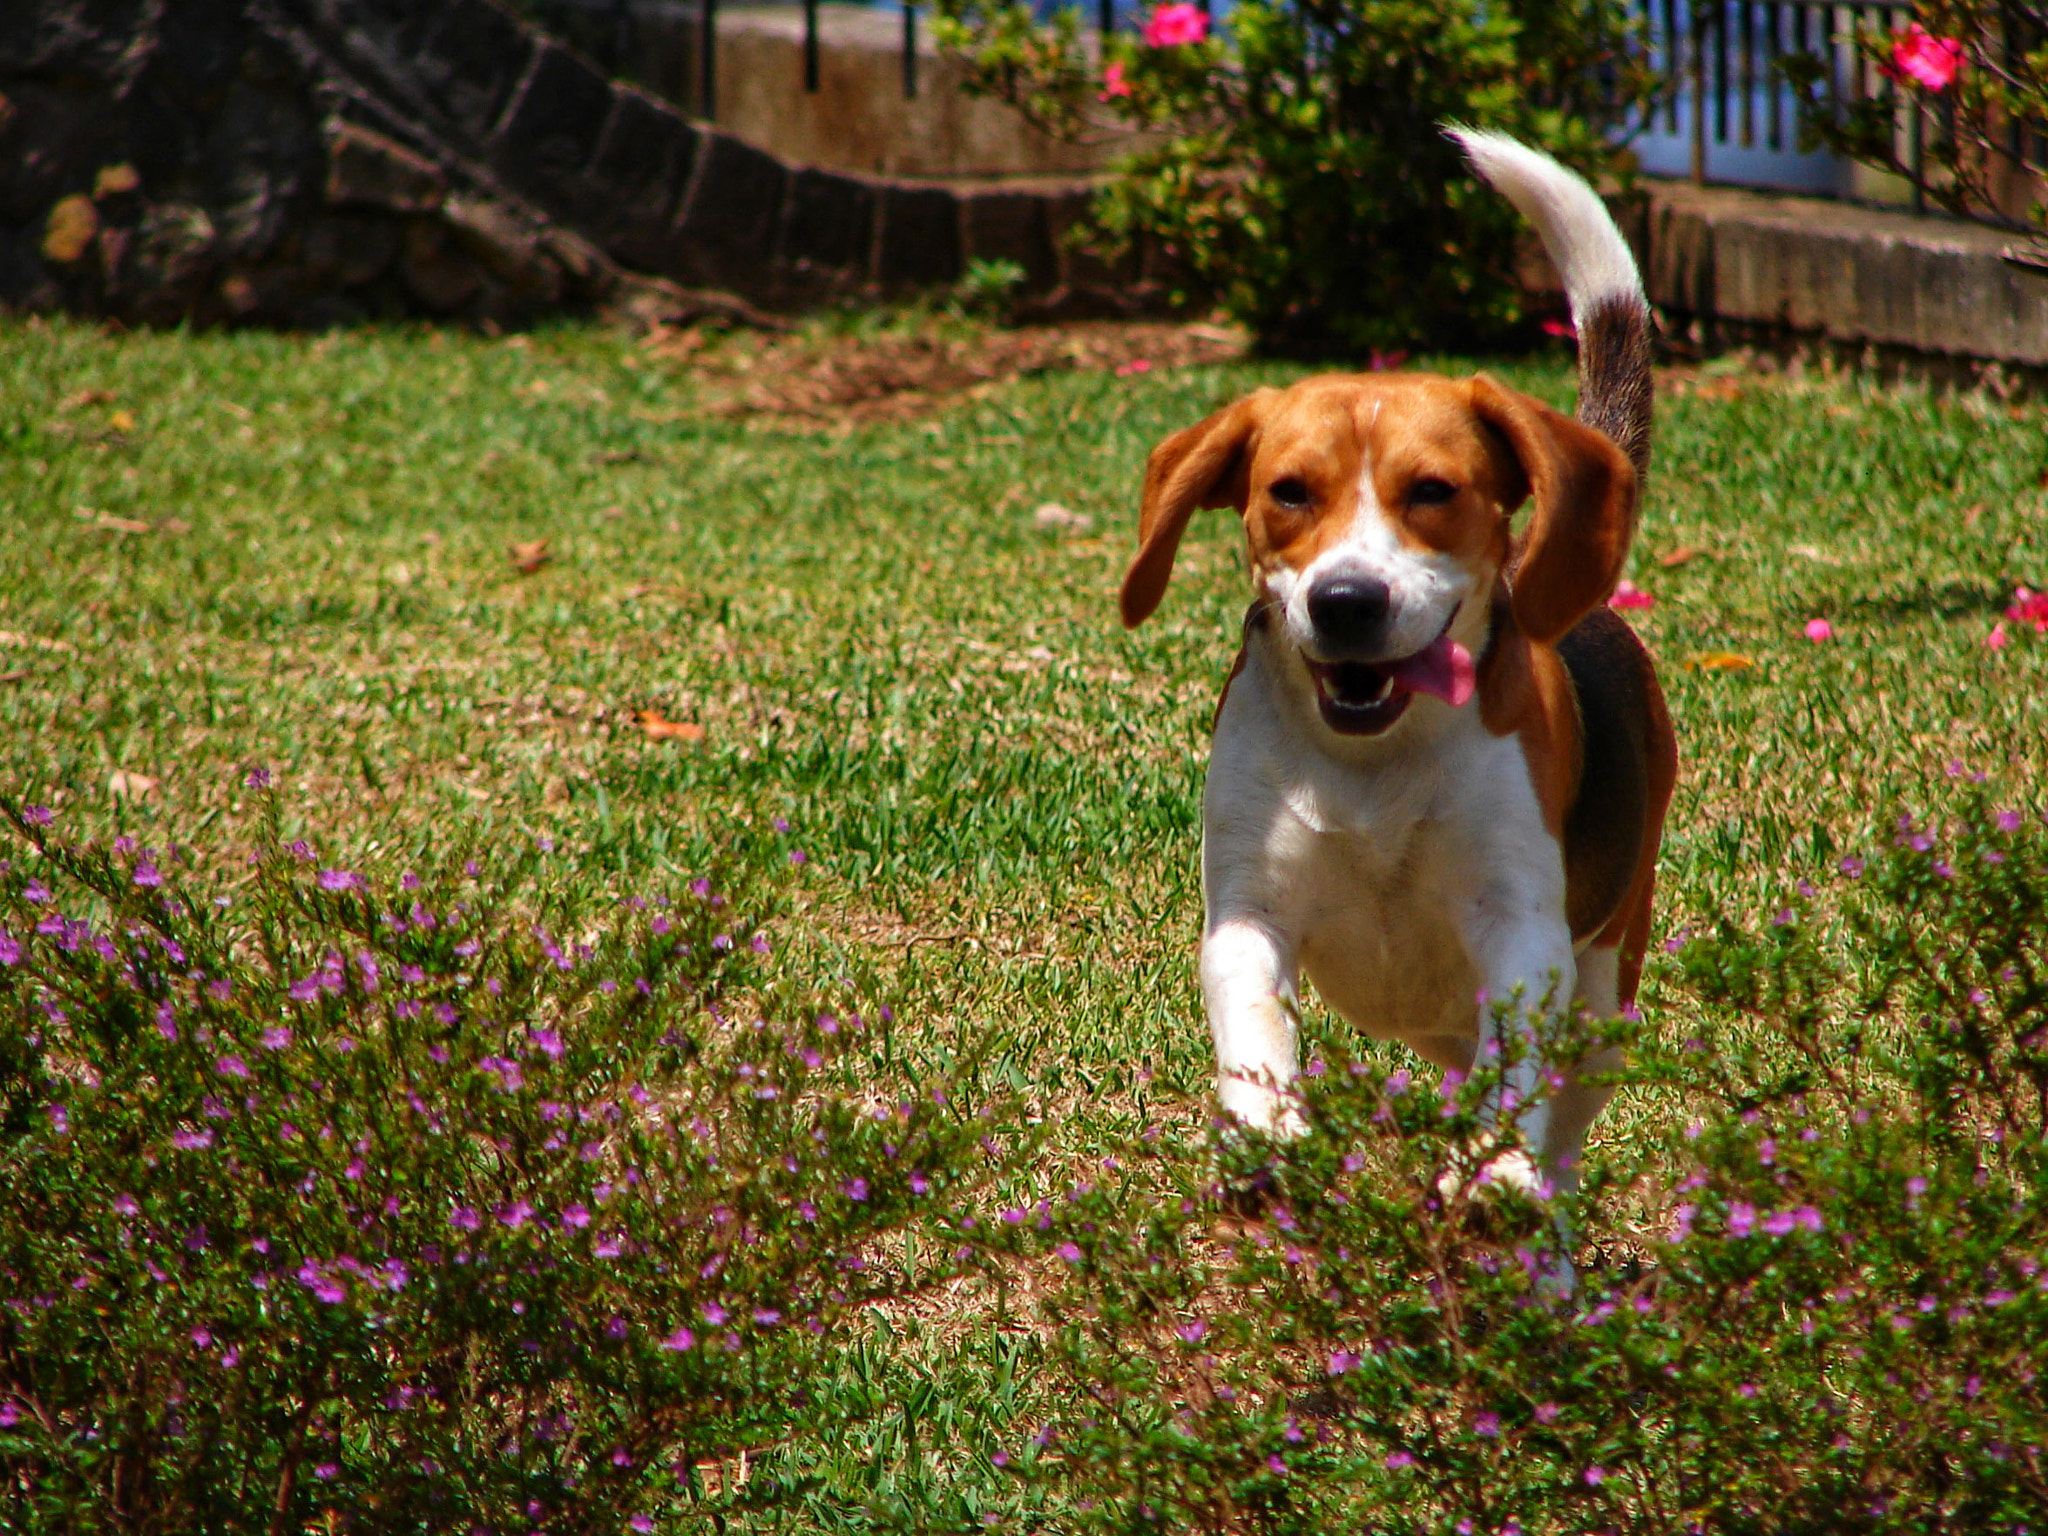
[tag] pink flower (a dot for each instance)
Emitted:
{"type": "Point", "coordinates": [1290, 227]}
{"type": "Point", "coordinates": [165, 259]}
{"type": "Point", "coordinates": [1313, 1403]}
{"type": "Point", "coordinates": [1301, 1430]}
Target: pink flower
{"type": "Point", "coordinates": [1114, 83]}
{"type": "Point", "coordinates": [1925, 59]}
{"type": "Point", "coordinates": [1173, 25]}
{"type": "Point", "coordinates": [1628, 595]}
{"type": "Point", "coordinates": [1560, 328]}
{"type": "Point", "coordinates": [1998, 639]}
{"type": "Point", "coordinates": [1818, 630]}
{"type": "Point", "coordinates": [2029, 607]}
{"type": "Point", "coordinates": [1136, 364]}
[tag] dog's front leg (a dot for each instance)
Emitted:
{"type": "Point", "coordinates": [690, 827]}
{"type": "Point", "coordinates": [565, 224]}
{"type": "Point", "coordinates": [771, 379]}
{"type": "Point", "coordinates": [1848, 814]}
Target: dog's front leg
{"type": "Point", "coordinates": [1522, 950]}
{"type": "Point", "coordinates": [1248, 981]}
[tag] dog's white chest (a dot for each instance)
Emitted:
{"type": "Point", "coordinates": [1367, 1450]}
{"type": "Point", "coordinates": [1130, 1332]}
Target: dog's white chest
{"type": "Point", "coordinates": [1379, 937]}
{"type": "Point", "coordinates": [1372, 878]}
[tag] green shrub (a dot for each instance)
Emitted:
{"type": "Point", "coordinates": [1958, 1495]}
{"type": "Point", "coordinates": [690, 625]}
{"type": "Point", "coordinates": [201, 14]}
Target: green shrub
{"type": "Point", "coordinates": [1821, 1306]}
{"type": "Point", "coordinates": [416, 1204]}
{"type": "Point", "coordinates": [1300, 172]}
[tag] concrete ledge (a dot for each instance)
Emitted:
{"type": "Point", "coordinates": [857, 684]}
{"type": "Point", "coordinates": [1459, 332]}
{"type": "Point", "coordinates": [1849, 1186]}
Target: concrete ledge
{"type": "Point", "coordinates": [1843, 274]}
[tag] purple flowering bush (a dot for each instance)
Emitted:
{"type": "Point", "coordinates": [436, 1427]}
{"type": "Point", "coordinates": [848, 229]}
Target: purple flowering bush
{"type": "Point", "coordinates": [418, 1203]}
{"type": "Point", "coordinates": [1817, 1301]}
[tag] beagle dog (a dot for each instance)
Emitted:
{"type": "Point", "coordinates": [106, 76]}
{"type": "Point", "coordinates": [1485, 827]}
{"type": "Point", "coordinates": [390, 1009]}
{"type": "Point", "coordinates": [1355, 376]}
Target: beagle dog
{"type": "Point", "coordinates": [1441, 762]}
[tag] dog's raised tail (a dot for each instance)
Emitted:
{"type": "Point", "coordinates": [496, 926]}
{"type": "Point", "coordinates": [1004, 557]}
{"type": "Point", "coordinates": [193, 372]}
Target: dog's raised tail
{"type": "Point", "coordinates": [1600, 282]}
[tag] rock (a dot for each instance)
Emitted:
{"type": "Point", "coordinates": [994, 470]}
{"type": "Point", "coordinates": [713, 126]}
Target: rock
{"type": "Point", "coordinates": [509, 247]}
{"type": "Point", "coordinates": [348, 249]}
{"type": "Point", "coordinates": [366, 169]}
{"type": "Point", "coordinates": [434, 269]}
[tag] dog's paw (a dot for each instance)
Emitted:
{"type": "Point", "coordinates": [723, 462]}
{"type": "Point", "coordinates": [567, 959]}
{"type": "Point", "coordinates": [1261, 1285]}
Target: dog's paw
{"type": "Point", "coordinates": [1480, 1171]}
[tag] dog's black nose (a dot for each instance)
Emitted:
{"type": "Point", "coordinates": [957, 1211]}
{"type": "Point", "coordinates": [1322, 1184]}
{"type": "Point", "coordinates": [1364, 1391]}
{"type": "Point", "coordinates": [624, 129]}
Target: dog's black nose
{"type": "Point", "coordinates": [1348, 611]}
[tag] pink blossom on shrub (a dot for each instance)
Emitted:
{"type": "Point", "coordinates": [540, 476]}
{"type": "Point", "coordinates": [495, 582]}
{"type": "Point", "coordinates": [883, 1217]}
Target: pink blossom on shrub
{"type": "Point", "coordinates": [1925, 59]}
{"type": "Point", "coordinates": [1113, 82]}
{"type": "Point", "coordinates": [1171, 26]}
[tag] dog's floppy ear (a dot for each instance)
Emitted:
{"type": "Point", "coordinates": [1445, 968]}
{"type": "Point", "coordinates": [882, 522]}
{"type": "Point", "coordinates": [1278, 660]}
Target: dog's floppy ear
{"type": "Point", "coordinates": [1203, 466]}
{"type": "Point", "coordinates": [1584, 490]}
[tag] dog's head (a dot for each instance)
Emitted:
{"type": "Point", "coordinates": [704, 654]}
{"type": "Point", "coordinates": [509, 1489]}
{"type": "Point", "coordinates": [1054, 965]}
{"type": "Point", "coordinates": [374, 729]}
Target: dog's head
{"type": "Point", "coordinates": [1376, 510]}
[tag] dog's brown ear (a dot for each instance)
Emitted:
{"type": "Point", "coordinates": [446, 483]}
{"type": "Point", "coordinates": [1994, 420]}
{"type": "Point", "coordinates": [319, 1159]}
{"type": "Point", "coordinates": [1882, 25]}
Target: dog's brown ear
{"type": "Point", "coordinates": [1203, 466]}
{"type": "Point", "coordinates": [1584, 489]}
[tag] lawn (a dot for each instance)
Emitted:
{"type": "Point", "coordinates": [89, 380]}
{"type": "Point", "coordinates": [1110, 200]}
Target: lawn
{"type": "Point", "coordinates": [226, 551]}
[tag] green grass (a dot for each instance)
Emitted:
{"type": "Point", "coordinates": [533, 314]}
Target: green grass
{"type": "Point", "coordinates": [996, 787]}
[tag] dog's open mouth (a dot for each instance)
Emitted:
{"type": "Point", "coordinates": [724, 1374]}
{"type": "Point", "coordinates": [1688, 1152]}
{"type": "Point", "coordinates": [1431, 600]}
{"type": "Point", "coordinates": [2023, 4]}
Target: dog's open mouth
{"type": "Point", "coordinates": [1360, 698]}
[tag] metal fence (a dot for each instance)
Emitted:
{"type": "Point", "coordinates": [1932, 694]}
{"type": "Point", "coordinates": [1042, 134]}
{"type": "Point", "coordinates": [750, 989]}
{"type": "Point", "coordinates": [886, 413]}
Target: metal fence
{"type": "Point", "coordinates": [1726, 112]}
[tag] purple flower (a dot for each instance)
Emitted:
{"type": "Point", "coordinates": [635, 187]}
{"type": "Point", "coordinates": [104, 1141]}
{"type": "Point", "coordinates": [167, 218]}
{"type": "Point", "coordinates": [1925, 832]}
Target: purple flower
{"type": "Point", "coordinates": [1595, 1476]}
{"type": "Point", "coordinates": [1275, 1465]}
{"type": "Point", "coordinates": [124, 1205]}
{"type": "Point", "coordinates": [611, 1248]}
{"type": "Point", "coordinates": [1486, 1423]}
{"type": "Point", "coordinates": [576, 1217]}
{"type": "Point", "coordinates": [191, 1141]}
{"type": "Point", "coordinates": [147, 874]}
{"type": "Point", "coordinates": [326, 1471]}
{"type": "Point", "coordinates": [1342, 1360]}
{"type": "Point", "coordinates": [202, 1338]}
{"type": "Point", "coordinates": [38, 815]}
{"type": "Point", "coordinates": [231, 1066]}
{"type": "Point", "coordinates": [1070, 1252]}
{"type": "Point", "coordinates": [680, 1340]}
{"type": "Point", "coordinates": [1547, 1413]}
{"type": "Point", "coordinates": [463, 1219]}
{"type": "Point", "coordinates": [276, 1038]}
{"type": "Point", "coordinates": [515, 1215]}
{"type": "Point", "coordinates": [715, 1315]}
{"type": "Point", "coordinates": [338, 880]}
{"type": "Point", "coordinates": [1192, 1332]}
{"type": "Point", "coordinates": [641, 1523]}
{"type": "Point", "coordinates": [257, 778]}
{"type": "Point", "coordinates": [1741, 1219]}
{"type": "Point", "coordinates": [10, 1414]}
{"type": "Point", "coordinates": [60, 1121]}
{"type": "Point", "coordinates": [766, 1317]}
{"type": "Point", "coordinates": [1396, 1460]}
{"type": "Point", "coordinates": [855, 1189]}
{"type": "Point", "coordinates": [10, 948]}
{"type": "Point", "coordinates": [1852, 866]}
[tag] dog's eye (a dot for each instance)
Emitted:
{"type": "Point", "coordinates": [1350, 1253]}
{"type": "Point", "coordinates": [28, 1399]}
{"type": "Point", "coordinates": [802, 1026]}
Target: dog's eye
{"type": "Point", "coordinates": [1289, 492]}
{"type": "Point", "coordinates": [1431, 493]}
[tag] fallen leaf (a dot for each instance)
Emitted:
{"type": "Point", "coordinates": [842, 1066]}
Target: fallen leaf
{"type": "Point", "coordinates": [655, 728]}
{"type": "Point", "coordinates": [1719, 661]}
{"type": "Point", "coordinates": [128, 785]}
{"type": "Point", "coordinates": [113, 180]}
{"type": "Point", "coordinates": [531, 556]}
{"type": "Point", "coordinates": [121, 421]}
{"type": "Point", "coordinates": [14, 676]}
{"type": "Point", "coordinates": [1973, 515]}
{"type": "Point", "coordinates": [174, 526]}
{"type": "Point", "coordinates": [1679, 556]}
{"type": "Point", "coordinates": [114, 524]}
{"type": "Point", "coordinates": [1053, 515]}
{"type": "Point", "coordinates": [1808, 552]}
{"type": "Point", "coordinates": [86, 397]}
{"type": "Point", "coordinates": [72, 224]}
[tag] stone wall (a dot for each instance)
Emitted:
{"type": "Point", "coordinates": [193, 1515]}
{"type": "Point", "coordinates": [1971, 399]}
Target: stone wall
{"type": "Point", "coordinates": [311, 162]}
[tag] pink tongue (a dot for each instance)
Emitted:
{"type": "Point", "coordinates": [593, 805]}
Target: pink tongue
{"type": "Point", "coordinates": [1444, 669]}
